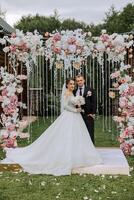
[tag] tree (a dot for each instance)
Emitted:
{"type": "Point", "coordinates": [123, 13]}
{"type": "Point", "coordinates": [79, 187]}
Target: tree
{"type": "Point", "coordinates": [40, 23]}
{"type": "Point", "coordinates": [111, 21]}
{"type": "Point", "coordinates": [48, 24]}
{"type": "Point", "coordinates": [72, 24]}
{"type": "Point", "coordinates": [126, 19]}
{"type": "Point", "coordinates": [120, 22]}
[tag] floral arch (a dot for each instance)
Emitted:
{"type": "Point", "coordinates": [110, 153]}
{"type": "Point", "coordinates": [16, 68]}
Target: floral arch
{"type": "Point", "coordinates": [65, 54]}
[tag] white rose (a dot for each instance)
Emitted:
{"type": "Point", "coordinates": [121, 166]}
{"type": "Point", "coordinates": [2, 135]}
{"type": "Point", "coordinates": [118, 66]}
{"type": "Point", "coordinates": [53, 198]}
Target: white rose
{"type": "Point", "coordinates": [89, 93]}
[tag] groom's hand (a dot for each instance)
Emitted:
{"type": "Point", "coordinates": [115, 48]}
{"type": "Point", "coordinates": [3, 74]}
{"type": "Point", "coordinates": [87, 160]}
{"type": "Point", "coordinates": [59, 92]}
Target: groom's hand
{"type": "Point", "coordinates": [91, 115]}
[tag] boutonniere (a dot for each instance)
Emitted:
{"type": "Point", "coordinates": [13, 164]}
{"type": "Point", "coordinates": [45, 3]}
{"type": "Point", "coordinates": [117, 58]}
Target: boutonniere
{"type": "Point", "coordinates": [89, 93]}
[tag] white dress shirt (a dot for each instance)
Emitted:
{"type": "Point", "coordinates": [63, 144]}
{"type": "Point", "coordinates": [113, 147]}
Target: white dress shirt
{"type": "Point", "coordinates": [82, 90]}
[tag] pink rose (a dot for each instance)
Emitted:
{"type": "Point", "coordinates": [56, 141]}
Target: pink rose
{"type": "Point", "coordinates": [1, 99]}
{"type": "Point", "coordinates": [11, 127]}
{"type": "Point", "coordinates": [57, 37]}
{"type": "Point", "coordinates": [13, 48]}
{"type": "Point", "coordinates": [71, 40]}
{"type": "Point", "coordinates": [115, 74]}
{"type": "Point", "coordinates": [126, 148]}
{"type": "Point", "coordinates": [9, 109]}
{"type": "Point", "coordinates": [131, 90]}
{"type": "Point", "coordinates": [14, 100]}
{"type": "Point", "coordinates": [4, 92]}
{"type": "Point", "coordinates": [104, 37]}
{"type": "Point", "coordinates": [10, 142]}
{"type": "Point", "coordinates": [57, 50]}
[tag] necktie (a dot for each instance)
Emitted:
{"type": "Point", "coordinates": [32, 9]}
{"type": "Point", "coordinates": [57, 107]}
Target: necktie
{"type": "Point", "coordinates": [80, 91]}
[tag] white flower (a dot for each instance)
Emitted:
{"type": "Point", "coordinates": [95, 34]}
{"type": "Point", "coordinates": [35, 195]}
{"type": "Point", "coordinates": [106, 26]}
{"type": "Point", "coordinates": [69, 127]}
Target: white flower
{"type": "Point", "coordinates": [100, 46]}
{"type": "Point", "coordinates": [131, 99]}
{"type": "Point", "coordinates": [78, 100]}
{"type": "Point", "coordinates": [85, 198]}
{"type": "Point", "coordinates": [96, 191]}
{"type": "Point", "coordinates": [89, 93]}
{"type": "Point", "coordinates": [89, 34]}
{"type": "Point", "coordinates": [114, 192]}
{"type": "Point", "coordinates": [43, 183]}
{"type": "Point", "coordinates": [6, 49]}
{"type": "Point", "coordinates": [19, 89]}
{"type": "Point", "coordinates": [103, 31]}
{"type": "Point", "coordinates": [124, 67]}
{"type": "Point", "coordinates": [123, 87]}
{"type": "Point", "coordinates": [118, 41]}
{"type": "Point", "coordinates": [2, 41]}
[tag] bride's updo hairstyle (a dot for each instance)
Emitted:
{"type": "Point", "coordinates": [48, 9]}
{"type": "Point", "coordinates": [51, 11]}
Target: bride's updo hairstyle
{"type": "Point", "coordinates": [68, 81]}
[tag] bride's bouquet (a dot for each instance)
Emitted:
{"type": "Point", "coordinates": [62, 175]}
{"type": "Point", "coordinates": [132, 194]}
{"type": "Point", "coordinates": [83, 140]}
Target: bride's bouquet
{"type": "Point", "coordinates": [79, 101]}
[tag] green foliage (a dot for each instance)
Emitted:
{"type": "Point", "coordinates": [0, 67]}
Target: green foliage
{"type": "Point", "coordinates": [40, 23]}
{"type": "Point", "coordinates": [120, 22]}
{"type": "Point", "coordinates": [72, 24]}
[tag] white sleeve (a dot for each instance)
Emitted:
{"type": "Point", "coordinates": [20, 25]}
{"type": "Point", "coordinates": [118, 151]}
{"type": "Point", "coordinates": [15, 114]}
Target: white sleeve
{"type": "Point", "coordinates": [67, 106]}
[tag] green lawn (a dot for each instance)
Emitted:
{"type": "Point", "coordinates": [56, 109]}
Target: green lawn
{"type": "Point", "coordinates": [22, 186]}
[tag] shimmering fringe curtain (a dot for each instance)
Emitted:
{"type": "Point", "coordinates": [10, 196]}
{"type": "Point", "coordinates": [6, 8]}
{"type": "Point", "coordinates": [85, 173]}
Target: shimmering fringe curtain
{"type": "Point", "coordinates": [44, 87]}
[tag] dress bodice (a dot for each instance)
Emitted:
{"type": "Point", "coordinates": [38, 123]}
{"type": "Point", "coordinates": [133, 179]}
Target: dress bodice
{"type": "Point", "coordinates": [69, 103]}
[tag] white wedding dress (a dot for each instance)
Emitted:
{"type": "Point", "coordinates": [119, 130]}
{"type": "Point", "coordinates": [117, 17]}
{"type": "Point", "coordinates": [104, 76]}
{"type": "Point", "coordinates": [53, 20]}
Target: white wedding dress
{"type": "Point", "coordinates": [65, 145]}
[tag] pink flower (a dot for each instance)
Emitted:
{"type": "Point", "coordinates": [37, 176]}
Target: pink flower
{"type": "Point", "coordinates": [112, 94]}
{"type": "Point", "coordinates": [11, 127]}
{"type": "Point", "coordinates": [13, 48]}
{"type": "Point", "coordinates": [13, 35]}
{"type": "Point", "coordinates": [4, 92]}
{"type": "Point", "coordinates": [131, 90]}
{"type": "Point", "coordinates": [9, 109]}
{"type": "Point", "coordinates": [57, 37]}
{"type": "Point", "coordinates": [131, 111]}
{"type": "Point", "coordinates": [123, 102]}
{"type": "Point", "coordinates": [126, 148]}
{"type": "Point", "coordinates": [1, 99]}
{"type": "Point", "coordinates": [10, 142]}
{"type": "Point", "coordinates": [71, 40]}
{"type": "Point", "coordinates": [118, 119]}
{"type": "Point", "coordinates": [115, 85]}
{"type": "Point", "coordinates": [104, 37]}
{"type": "Point", "coordinates": [14, 100]}
{"type": "Point", "coordinates": [115, 74]}
{"type": "Point", "coordinates": [57, 50]}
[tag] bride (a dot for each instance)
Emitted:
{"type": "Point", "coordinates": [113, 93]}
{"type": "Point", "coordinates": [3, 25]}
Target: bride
{"type": "Point", "coordinates": [65, 145]}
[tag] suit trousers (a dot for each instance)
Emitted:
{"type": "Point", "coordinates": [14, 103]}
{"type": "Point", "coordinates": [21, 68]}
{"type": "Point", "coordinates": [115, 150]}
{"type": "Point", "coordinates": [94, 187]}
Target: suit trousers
{"type": "Point", "coordinates": [89, 121]}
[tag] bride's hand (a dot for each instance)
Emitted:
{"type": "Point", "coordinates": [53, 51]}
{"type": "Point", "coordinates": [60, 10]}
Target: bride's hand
{"type": "Point", "coordinates": [79, 110]}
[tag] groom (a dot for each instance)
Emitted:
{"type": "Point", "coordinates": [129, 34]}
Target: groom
{"type": "Point", "coordinates": [90, 104]}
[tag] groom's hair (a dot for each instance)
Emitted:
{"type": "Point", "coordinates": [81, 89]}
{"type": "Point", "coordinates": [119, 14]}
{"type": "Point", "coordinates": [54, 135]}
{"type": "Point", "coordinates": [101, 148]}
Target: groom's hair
{"type": "Point", "coordinates": [79, 76]}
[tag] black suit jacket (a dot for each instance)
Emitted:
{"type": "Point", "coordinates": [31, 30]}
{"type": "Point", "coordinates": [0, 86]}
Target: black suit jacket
{"type": "Point", "coordinates": [90, 101]}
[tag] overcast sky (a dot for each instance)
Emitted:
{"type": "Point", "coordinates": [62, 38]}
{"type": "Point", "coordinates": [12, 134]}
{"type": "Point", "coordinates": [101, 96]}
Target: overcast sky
{"type": "Point", "coordinates": [82, 10]}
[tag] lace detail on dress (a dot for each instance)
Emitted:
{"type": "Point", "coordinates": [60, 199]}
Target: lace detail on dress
{"type": "Point", "coordinates": [68, 104]}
